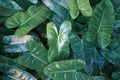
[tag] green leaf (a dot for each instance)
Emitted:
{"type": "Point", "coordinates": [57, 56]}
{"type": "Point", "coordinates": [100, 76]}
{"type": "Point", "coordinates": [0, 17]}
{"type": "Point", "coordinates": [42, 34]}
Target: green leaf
{"type": "Point", "coordinates": [56, 7]}
{"type": "Point", "coordinates": [85, 8]}
{"type": "Point", "coordinates": [65, 70]}
{"type": "Point", "coordinates": [28, 20]}
{"type": "Point", "coordinates": [74, 10]}
{"type": "Point", "coordinates": [116, 76]}
{"type": "Point", "coordinates": [101, 24]}
{"type": "Point", "coordinates": [82, 5]}
{"type": "Point", "coordinates": [112, 54]}
{"type": "Point", "coordinates": [58, 42]}
{"type": "Point", "coordinates": [15, 72]}
{"type": "Point", "coordinates": [37, 60]}
{"type": "Point", "coordinates": [8, 7]}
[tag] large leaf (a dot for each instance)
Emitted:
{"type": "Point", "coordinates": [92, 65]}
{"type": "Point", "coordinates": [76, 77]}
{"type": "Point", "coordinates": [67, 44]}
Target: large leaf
{"type": "Point", "coordinates": [66, 70]}
{"type": "Point", "coordinates": [15, 73]}
{"type": "Point", "coordinates": [82, 5]}
{"type": "Point", "coordinates": [8, 7]}
{"type": "Point", "coordinates": [116, 76]}
{"type": "Point", "coordinates": [58, 42]}
{"type": "Point", "coordinates": [87, 52]}
{"type": "Point", "coordinates": [28, 20]}
{"type": "Point", "coordinates": [101, 24]}
{"type": "Point", "coordinates": [112, 54]}
{"type": "Point", "coordinates": [56, 7]}
{"type": "Point", "coordinates": [37, 60]}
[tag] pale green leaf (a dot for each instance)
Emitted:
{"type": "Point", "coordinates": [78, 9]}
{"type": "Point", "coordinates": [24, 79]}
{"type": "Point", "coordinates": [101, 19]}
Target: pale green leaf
{"type": "Point", "coordinates": [58, 42]}
{"type": "Point", "coordinates": [85, 8]}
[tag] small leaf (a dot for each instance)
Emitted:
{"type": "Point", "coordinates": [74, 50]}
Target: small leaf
{"type": "Point", "coordinates": [101, 24]}
{"type": "Point", "coordinates": [28, 20]}
{"type": "Point", "coordinates": [66, 70]}
{"type": "Point", "coordinates": [58, 42]}
{"type": "Point", "coordinates": [37, 60]}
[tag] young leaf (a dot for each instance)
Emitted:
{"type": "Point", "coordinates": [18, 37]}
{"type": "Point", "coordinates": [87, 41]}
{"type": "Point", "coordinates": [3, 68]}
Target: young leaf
{"type": "Point", "coordinates": [65, 70]}
{"type": "Point", "coordinates": [101, 24]}
{"type": "Point", "coordinates": [28, 20]}
{"type": "Point", "coordinates": [58, 42]}
{"type": "Point", "coordinates": [37, 60]}
{"type": "Point", "coordinates": [112, 54]}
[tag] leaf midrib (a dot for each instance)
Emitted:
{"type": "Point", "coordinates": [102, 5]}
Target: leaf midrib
{"type": "Point", "coordinates": [63, 71]}
{"type": "Point", "coordinates": [39, 59]}
{"type": "Point", "coordinates": [99, 28]}
{"type": "Point", "coordinates": [30, 18]}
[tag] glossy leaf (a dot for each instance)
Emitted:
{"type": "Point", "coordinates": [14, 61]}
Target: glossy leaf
{"type": "Point", "coordinates": [101, 24]}
{"type": "Point", "coordinates": [112, 54]}
{"type": "Point", "coordinates": [58, 42]}
{"type": "Point", "coordinates": [28, 20]}
{"type": "Point", "coordinates": [116, 76]}
{"type": "Point", "coordinates": [8, 7]}
{"type": "Point", "coordinates": [65, 70]}
{"type": "Point", "coordinates": [56, 7]}
{"type": "Point", "coordinates": [37, 60]}
{"type": "Point", "coordinates": [87, 52]}
{"type": "Point", "coordinates": [16, 73]}
{"type": "Point", "coordinates": [82, 5]}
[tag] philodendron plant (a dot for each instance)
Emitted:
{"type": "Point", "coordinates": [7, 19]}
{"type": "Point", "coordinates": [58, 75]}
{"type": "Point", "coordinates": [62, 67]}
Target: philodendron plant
{"type": "Point", "coordinates": [59, 39]}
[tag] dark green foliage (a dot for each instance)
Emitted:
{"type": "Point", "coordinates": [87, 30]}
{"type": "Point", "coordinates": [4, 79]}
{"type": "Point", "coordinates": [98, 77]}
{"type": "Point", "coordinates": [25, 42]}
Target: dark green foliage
{"type": "Point", "coordinates": [59, 39]}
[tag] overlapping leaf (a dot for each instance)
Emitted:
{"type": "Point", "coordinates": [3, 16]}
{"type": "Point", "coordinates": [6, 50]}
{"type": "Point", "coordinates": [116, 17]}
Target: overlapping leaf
{"type": "Point", "coordinates": [112, 54]}
{"type": "Point", "coordinates": [82, 5]}
{"type": "Point", "coordinates": [101, 24]}
{"type": "Point", "coordinates": [37, 60]}
{"type": "Point", "coordinates": [28, 20]}
{"type": "Point", "coordinates": [58, 42]}
{"type": "Point", "coordinates": [66, 70]}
